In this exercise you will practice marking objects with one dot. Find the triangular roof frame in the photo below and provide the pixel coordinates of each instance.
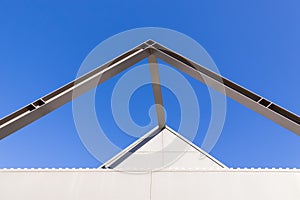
(153, 51)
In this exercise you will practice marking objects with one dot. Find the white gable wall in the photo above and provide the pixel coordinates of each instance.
(168, 150)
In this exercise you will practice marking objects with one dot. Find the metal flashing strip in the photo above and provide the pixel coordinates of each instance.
(116, 160)
(96, 170)
(196, 147)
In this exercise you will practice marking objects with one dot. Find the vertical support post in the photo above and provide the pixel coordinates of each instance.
(153, 65)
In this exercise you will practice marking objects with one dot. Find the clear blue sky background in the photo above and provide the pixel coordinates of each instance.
(254, 43)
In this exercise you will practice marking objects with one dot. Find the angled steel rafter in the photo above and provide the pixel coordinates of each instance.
(249, 99)
(152, 50)
(59, 97)
(153, 64)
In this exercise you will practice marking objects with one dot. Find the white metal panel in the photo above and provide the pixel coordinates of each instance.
(173, 184)
(168, 150)
(142, 161)
(73, 185)
(154, 145)
(188, 160)
(231, 185)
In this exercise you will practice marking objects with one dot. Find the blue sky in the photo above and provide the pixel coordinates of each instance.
(255, 44)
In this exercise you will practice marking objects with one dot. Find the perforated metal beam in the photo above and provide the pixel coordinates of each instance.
(59, 97)
(150, 49)
(249, 99)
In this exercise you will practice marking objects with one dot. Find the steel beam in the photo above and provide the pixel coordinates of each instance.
(249, 99)
(59, 97)
(152, 50)
(153, 65)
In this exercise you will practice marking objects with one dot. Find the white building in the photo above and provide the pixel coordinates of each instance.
(161, 164)
(147, 173)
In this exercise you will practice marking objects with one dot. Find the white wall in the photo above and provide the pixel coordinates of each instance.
(107, 184)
